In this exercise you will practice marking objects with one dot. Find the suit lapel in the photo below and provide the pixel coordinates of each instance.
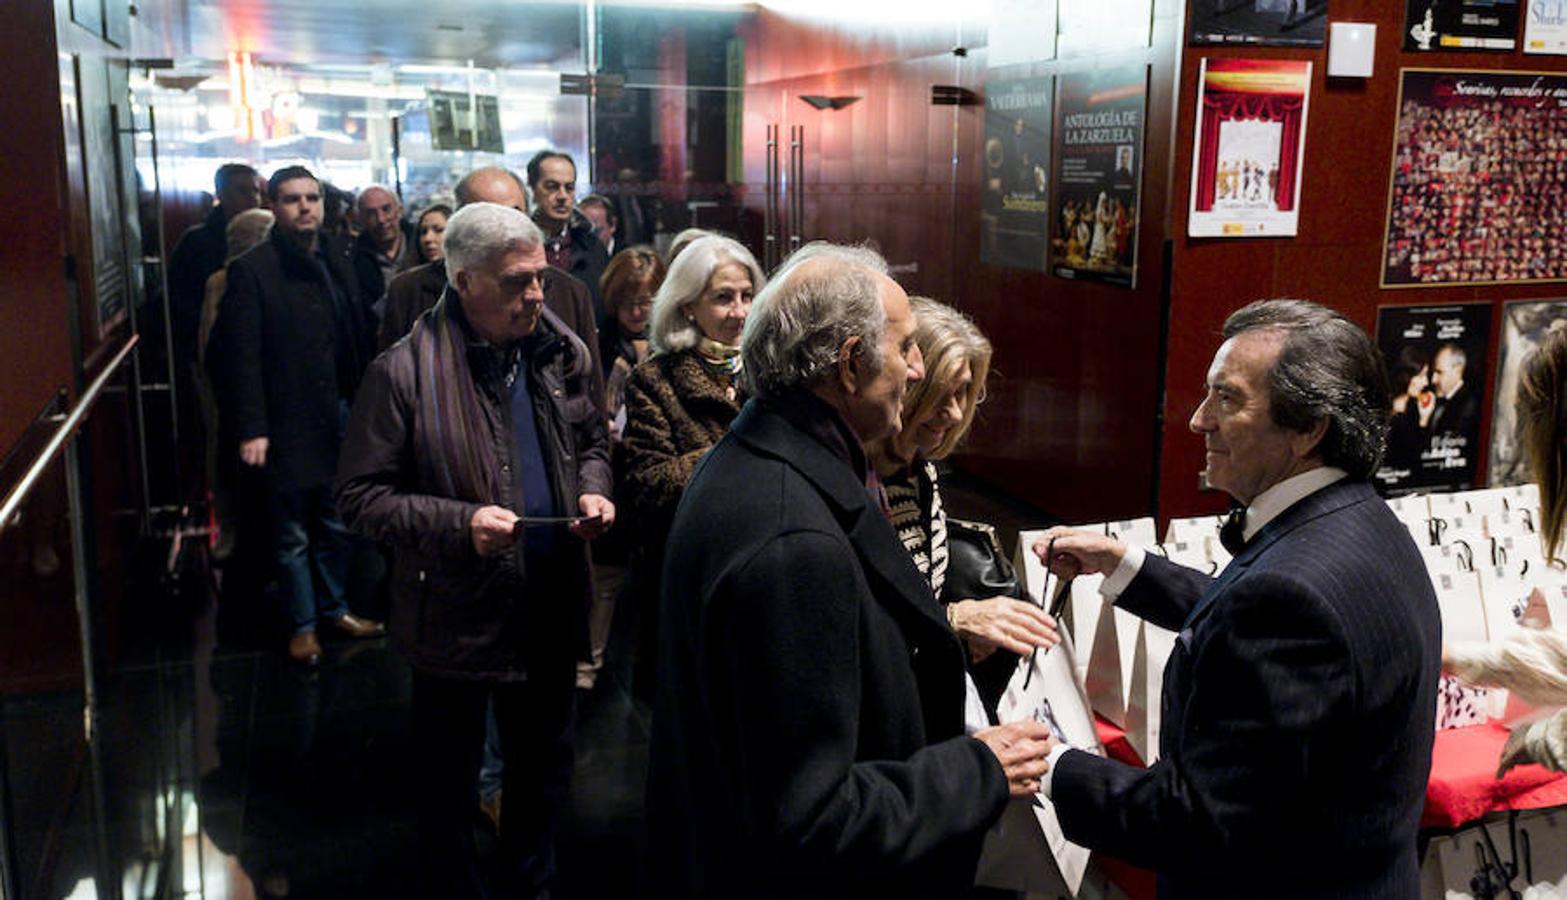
(1332, 498)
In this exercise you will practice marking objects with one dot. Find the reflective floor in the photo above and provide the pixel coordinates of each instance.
(223, 770)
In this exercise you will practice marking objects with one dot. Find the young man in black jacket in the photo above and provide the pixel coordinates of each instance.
(287, 352)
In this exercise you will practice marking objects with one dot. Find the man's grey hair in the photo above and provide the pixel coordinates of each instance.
(1455, 354)
(480, 233)
(799, 324)
(670, 327)
(1327, 369)
(364, 192)
(463, 192)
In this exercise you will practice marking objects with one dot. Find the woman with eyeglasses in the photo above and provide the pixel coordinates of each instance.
(628, 285)
(1532, 662)
(937, 413)
(681, 400)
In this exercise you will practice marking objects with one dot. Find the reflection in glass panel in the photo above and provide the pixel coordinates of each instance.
(667, 148)
(339, 121)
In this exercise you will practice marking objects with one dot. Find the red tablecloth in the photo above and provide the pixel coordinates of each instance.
(1463, 787)
(1463, 784)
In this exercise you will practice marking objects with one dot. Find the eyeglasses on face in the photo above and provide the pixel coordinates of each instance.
(521, 282)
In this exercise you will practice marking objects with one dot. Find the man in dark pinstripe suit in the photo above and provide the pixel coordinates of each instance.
(1299, 703)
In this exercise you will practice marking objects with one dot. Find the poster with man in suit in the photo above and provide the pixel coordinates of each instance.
(1436, 360)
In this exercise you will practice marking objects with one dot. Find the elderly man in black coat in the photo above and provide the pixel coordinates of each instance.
(287, 350)
(476, 451)
(1300, 700)
(808, 735)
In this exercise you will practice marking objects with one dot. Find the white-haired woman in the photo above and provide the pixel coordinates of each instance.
(680, 401)
(937, 413)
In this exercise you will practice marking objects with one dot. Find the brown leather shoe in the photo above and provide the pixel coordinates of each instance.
(355, 627)
(491, 808)
(304, 648)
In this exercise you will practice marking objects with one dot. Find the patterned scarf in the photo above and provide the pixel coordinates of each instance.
(453, 446)
(720, 359)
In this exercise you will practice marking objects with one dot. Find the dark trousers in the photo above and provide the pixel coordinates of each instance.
(535, 721)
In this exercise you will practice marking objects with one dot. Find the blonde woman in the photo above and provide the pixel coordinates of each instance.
(245, 230)
(937, 413)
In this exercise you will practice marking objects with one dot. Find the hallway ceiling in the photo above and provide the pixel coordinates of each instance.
(492, 33)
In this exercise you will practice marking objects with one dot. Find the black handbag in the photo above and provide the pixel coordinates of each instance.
(976, 567)
(978, 570)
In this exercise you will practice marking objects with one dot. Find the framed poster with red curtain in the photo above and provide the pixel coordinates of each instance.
(1250, 140)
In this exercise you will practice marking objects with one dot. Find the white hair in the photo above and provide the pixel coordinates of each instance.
(670, 329)
(799, 324)
(359, 200)
(479, 233)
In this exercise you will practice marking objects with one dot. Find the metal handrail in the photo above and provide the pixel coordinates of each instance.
(63, 434)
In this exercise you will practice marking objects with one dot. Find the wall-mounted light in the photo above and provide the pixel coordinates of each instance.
(819, 102)
(952, 95)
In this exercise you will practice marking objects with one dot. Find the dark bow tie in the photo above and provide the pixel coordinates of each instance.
(1232, 532)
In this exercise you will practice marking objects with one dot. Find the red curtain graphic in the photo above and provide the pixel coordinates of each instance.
(1221, 107)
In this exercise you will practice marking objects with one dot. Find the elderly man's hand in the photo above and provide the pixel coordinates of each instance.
(493, 530)
(598, 514)
(1021, 748)
(254, 451)
(1079, 552)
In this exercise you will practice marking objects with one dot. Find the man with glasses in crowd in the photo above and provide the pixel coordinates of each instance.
(476, 451)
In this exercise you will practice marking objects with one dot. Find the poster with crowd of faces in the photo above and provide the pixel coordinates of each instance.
(1478, 190)
(1285, 23)
(1250, 141)
(1545, 27)
(1436, 363)
(1098, 166)
(1015, 204)
(1525, 323)
(1461, 25)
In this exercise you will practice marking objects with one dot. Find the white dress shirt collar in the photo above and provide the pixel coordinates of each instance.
(1270, 503)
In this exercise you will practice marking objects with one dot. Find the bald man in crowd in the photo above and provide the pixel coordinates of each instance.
(385, 246)
(416, 290)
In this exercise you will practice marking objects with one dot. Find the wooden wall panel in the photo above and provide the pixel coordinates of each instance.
(1071, 421)
(1336, 257)
(35, 318)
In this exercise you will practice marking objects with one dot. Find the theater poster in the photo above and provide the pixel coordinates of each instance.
(1251, 137)
(1015, 212)
(1545, 27)
(1476, 195)
(1525, 323)
(1436, 364)
(1461, 25)
(1284, 23)
(1098, 172)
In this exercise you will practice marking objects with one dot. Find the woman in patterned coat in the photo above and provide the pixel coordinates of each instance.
(680, 400)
